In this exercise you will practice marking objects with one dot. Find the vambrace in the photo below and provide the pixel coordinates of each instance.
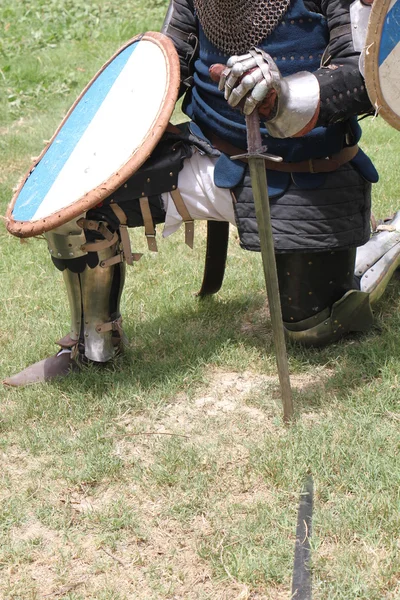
(180, 26)
(343, 92)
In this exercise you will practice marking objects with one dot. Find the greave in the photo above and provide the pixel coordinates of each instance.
(72, 283)
(101, 289)
(94, 279)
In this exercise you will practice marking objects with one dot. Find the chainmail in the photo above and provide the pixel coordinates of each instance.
(235, 26)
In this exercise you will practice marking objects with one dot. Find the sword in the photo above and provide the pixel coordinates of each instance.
(256, 156)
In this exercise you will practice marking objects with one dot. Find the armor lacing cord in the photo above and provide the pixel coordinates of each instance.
(149, 229)
(186, 218)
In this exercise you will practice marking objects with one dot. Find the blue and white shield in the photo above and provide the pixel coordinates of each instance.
(106, 136)
(382, 60)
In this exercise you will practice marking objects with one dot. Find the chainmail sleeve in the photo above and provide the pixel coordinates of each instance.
(180, 25)
(343, 92)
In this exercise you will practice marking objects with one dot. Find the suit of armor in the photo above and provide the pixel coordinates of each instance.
(320, 196)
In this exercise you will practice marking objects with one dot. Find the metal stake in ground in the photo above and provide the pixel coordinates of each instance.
(301, 585)
(258, 176)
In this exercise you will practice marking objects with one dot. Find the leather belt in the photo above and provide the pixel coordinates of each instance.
(313, 165)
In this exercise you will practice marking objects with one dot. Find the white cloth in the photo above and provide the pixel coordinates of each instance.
(203, 199)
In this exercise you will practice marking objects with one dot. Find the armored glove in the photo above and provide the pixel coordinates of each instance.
(290, 105)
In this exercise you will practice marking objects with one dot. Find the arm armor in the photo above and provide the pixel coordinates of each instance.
(180, 26)
(343, 92)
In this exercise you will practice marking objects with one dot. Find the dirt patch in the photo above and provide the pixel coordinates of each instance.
(152, 549)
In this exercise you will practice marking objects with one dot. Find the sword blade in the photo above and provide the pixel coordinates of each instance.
(261, 202)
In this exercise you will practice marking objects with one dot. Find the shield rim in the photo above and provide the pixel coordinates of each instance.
(25, 229)
(372, 79)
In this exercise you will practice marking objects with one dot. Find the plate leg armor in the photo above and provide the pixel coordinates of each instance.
(94, 277)
(101, 289)
(346, 299)
(320, 297)
(379, 258)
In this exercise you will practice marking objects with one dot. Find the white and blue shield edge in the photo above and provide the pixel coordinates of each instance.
(80, 167)
(382, 60)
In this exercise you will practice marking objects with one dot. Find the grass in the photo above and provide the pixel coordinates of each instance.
(170, 474)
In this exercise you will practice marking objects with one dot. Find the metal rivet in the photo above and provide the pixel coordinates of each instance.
(148, 180)
(287, 273)
(126, 185)
(310, 293)
(143, 194)
(310, 262)
(174, 187)
(171, 174)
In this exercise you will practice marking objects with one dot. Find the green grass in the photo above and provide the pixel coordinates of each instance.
(169, 474)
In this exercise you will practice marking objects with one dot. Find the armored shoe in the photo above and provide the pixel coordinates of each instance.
(59, 365)
(70, 358)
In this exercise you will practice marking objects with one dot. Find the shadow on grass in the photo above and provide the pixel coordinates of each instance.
(172, 353)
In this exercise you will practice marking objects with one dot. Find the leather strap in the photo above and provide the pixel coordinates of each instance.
(110, 326)
(315, 165)
(123, 231)
(186, 218)
(149, 229)
(100, 244)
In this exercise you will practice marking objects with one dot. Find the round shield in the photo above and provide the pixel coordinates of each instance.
(382, 60)
(108, 133)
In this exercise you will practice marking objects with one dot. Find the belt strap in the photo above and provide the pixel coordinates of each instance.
(186, 218)
(149, 229)
(314, 165)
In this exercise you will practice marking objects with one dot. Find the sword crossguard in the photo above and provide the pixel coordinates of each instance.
(259, 154)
